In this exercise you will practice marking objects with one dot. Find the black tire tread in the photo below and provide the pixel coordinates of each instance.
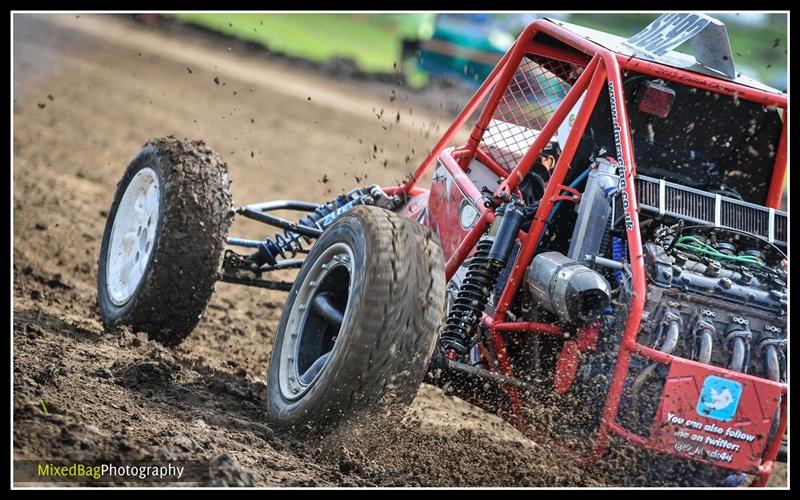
(188, 251)
(402, 306)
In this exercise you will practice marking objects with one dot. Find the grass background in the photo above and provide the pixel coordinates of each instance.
(373, 41)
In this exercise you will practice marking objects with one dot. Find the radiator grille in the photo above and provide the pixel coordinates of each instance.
(670, 199)
(781, 223)
(687, 203)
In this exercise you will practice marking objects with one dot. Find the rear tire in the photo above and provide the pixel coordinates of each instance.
(163, 241)
(390, 316)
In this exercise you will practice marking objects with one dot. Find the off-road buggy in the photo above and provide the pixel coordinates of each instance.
(606, 251)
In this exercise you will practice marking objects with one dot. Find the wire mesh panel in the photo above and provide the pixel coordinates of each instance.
(533, 94)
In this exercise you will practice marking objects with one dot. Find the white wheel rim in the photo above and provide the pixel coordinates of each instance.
(132, 236)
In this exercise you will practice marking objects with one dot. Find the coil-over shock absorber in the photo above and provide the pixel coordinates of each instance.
(490, 257)
(288, 243)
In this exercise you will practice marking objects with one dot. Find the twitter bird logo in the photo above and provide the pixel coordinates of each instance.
(719, 398)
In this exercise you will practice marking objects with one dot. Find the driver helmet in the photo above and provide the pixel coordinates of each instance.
(550, 154)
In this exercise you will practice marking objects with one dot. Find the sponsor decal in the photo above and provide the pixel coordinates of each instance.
(625, 170)
(719, 398)
(668, 32)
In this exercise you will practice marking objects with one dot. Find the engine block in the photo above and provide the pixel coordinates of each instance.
(708, 313)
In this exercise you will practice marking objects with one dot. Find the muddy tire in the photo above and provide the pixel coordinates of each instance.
(163, 241)
(359, 325)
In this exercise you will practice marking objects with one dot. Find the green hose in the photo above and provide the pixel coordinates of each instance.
(693, 244)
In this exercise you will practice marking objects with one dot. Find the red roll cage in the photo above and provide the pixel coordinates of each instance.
(601, 67)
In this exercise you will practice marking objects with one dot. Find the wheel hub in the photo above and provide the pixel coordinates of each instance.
(131, 243)
(315, 322)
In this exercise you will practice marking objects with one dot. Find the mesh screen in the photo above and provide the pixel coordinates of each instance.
(532, 96)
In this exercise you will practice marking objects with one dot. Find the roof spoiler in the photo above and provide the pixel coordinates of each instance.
(707, 37)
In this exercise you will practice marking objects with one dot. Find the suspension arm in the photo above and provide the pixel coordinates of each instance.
(236, 269)
(267, 206)
(276, 252)
(283, 286)
(486, 374)
(303, 230)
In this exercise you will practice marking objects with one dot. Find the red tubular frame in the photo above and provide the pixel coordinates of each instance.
(515, 54)
(529, 327)
(459, 122)
(489, 162)
(602, 67)
(781, 161)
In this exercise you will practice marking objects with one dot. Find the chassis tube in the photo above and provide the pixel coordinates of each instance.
(551, 52)
(515, 55)
(460, 120)
(398, 190)
(779, 170)
(489, 163)
(529, 327)
(588, 77)
(486, 374)
(634, 237)
(699, 81)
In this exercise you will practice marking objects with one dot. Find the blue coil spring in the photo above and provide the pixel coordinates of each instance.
(618, 252)
(287, 244)
(283, 245)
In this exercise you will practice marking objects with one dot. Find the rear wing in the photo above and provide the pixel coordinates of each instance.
(707, 37)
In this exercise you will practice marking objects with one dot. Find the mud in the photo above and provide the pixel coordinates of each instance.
(82, 393)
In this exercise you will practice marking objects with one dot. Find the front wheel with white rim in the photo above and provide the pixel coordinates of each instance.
(359, 325)
(164, 238)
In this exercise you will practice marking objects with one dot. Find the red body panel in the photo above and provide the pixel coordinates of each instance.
(739, 444)
(452, 193)
(416, 208)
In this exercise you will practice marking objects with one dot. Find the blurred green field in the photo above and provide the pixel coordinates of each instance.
(374, 41)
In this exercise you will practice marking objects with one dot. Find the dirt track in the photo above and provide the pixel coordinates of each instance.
(88, 93)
